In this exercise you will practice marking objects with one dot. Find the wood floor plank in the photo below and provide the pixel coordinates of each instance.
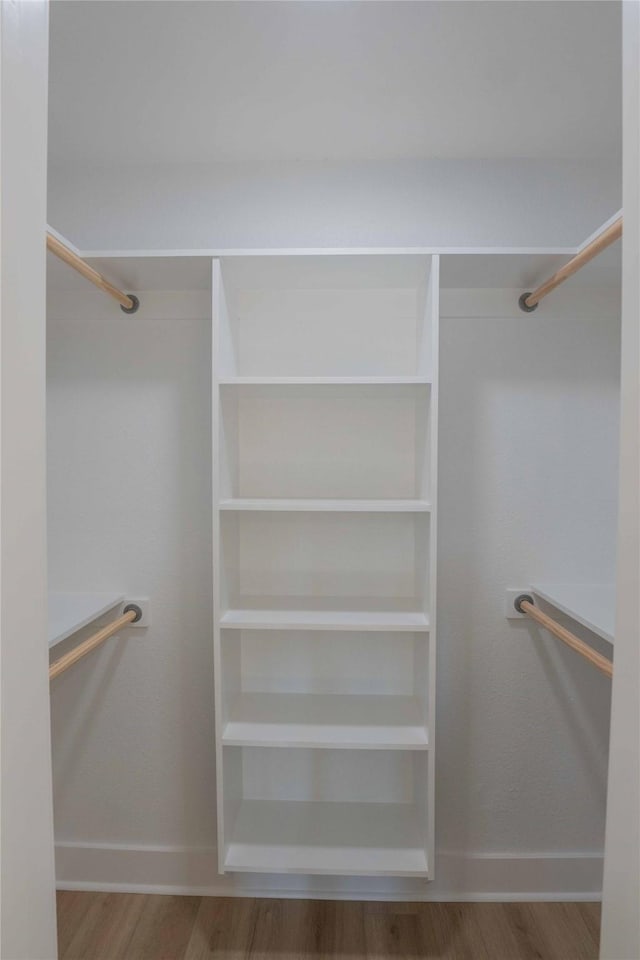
(590, 914)
(316, 929)
(342, 930)
(104, 929)
(495, 931)
(223, 929)
(101, 926)
(71, 909)
(290, 928)
(393, 932)
(553, 931)
(163, 929)
(281, 927)
(451, 931)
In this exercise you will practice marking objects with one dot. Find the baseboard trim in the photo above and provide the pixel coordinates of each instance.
(459, 877)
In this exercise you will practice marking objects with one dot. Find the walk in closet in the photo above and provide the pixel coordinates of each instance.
(339, 500)
(292, 545)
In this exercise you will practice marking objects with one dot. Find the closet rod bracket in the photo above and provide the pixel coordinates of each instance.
(522, 303)
(135, 303)
(133, 607)
(519, 600)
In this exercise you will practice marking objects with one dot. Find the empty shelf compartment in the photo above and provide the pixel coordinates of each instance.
(326, 720)
(366, 839)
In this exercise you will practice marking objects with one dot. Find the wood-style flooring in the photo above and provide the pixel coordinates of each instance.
(117, 926)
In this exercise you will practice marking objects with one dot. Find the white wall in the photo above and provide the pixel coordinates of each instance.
(528, 434)
(620, 920)
(403, 203)
(130, 511)
(27, 881)
(528, 454)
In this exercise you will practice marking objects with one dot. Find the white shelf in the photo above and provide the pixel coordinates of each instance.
(592, 605)
(361, 839)
(347, 381)
(366, 722)
(70, 612)
(518, 270)
(325, 506)
(283, 619)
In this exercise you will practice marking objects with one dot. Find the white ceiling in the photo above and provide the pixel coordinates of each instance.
(140, 81)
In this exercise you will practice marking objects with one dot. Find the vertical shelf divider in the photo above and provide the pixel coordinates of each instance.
(433, 319)
(219, 318)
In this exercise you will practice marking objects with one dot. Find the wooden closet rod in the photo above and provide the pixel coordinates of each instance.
(128, 302)
(524, 604)
(132, 613)
(529, 301)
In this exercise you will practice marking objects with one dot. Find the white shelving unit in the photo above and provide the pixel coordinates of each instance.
(325, 464)
(592, 605)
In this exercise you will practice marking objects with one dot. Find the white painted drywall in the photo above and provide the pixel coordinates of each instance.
(130, 509)
(528, 472)
(27, 882)
(620, 919)
(333, 204)
(212, 82)
(528, 448)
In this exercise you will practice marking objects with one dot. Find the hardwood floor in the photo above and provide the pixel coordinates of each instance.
(117, 926)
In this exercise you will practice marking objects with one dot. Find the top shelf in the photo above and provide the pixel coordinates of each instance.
(592, 605)
(70, 612)
(461, 266)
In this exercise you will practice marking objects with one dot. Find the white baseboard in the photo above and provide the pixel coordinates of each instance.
(193, 871)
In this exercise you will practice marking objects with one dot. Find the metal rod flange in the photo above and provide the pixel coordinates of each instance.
(135, 303)
(522, 303)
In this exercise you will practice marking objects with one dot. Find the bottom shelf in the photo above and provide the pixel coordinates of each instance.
(350, 839)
